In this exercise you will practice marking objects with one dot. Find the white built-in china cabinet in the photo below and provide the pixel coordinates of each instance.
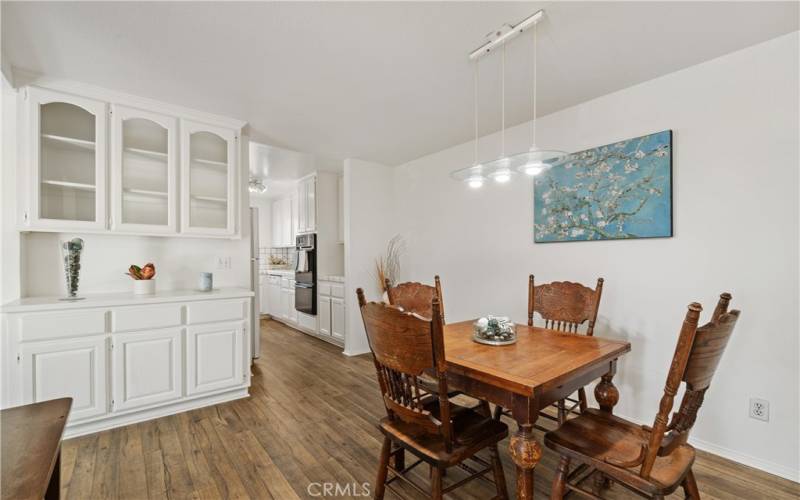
(98, 161)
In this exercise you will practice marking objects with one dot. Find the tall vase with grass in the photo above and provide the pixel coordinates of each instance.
(71, 253)
(387, 267)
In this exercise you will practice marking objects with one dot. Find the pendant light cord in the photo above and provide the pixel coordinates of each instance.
(535, 50)
(503, 104)
(475, 109)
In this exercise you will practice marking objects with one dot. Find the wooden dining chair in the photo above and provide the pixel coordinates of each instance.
(416, 297)
(651, 461)
(431, 427)
(564, 306)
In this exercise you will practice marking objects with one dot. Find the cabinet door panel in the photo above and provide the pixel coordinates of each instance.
(292, 311)
(337, 318)
(214, 357)
(324, 315)
(68, 161)
(147, 368)
(209, 176)
(73, 368)
(311, 205)
(144, 171)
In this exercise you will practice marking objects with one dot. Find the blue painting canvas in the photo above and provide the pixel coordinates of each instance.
(618, 191)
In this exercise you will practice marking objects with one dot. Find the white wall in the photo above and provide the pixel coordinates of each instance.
(368, 227)
(9, 237)
(735, 198)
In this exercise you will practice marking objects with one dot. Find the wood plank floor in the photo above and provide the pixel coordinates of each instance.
(310, 419)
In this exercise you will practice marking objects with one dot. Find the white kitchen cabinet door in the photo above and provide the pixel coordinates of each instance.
(276, 223)
(274, 298)
(311, 204)
(147, 368)
(340, 210)
(73, 368)
(209, 179)
(293, 318)
(214, 357)
(67, 158)
(324, 312)
(302, 209)
(337, 318)
(263, 294)
(294, 221)
(284, 310)
(144, 171)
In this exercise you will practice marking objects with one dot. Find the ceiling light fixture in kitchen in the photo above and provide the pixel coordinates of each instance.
(255, 185)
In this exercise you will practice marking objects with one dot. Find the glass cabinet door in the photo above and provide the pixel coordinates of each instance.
(208, 179)
(144, 171)
(68, 161)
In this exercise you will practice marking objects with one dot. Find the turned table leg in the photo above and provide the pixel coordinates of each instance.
(526, 453)
(606, 392)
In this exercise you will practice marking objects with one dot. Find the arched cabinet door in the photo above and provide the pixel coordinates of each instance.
(67, 158)
(209, 180)
(144, 168)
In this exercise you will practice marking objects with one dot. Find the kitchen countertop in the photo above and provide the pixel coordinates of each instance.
(120, 299)
(278, 272)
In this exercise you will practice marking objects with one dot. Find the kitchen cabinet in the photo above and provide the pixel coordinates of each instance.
(340, 210)
(284, 222)
(214, 357)
(147, 368)
(307, 204)
(125, 358)
(274, 293)
(75, 146)
(331, 307)
(264, 295)
(143, 171)
(67, 162)
(209, 180)
(71, 367)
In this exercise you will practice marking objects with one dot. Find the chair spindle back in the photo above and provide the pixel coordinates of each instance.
(696, 358)
(416, 297)
(564, 305)
(404, 344)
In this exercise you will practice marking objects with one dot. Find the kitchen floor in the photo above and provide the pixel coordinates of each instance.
(310, 419)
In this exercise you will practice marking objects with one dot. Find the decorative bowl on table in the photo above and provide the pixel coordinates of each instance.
(494, 330)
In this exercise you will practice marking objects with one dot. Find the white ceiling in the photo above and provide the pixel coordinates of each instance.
(383, 81)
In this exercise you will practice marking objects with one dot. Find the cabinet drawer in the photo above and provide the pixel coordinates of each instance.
(324, 288)
(217, 310)
(337, 291)
(126, 319)
(52, 325)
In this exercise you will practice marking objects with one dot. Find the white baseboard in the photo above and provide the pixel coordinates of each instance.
(745, 459)
(106, 422)
(737, 456)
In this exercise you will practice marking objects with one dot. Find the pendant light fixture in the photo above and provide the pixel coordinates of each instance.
(531, 162)
(536, 160)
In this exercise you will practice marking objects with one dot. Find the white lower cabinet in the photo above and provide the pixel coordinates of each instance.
(147, 368)
(331, 307)
(337, 319)
(125, 359)
(214, 357)
(73, 368)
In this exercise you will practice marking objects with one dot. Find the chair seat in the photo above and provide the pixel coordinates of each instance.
(600, 439)
(430, 384)
(472, 432)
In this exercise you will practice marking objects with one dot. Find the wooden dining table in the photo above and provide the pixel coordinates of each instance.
(542, 367)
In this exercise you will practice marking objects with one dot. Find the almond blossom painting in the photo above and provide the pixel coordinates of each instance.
(618, 191)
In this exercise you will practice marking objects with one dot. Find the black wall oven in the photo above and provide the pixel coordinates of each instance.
(305, 274)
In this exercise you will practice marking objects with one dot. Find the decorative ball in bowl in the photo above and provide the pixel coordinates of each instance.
(494, 330)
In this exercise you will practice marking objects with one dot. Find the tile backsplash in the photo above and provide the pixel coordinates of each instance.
(288, 255)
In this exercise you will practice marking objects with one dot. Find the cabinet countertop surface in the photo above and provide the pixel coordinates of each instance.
(32, 304)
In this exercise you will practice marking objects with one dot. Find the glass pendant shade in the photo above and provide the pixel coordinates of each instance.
(535, 160)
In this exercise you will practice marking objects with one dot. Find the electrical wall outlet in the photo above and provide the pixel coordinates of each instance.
(759, 409)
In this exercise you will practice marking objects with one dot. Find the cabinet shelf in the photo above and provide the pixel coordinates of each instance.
(210, 163)
(210, 199)
(70, 185)
(70, 141)
(146, 192)
(154, 155)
